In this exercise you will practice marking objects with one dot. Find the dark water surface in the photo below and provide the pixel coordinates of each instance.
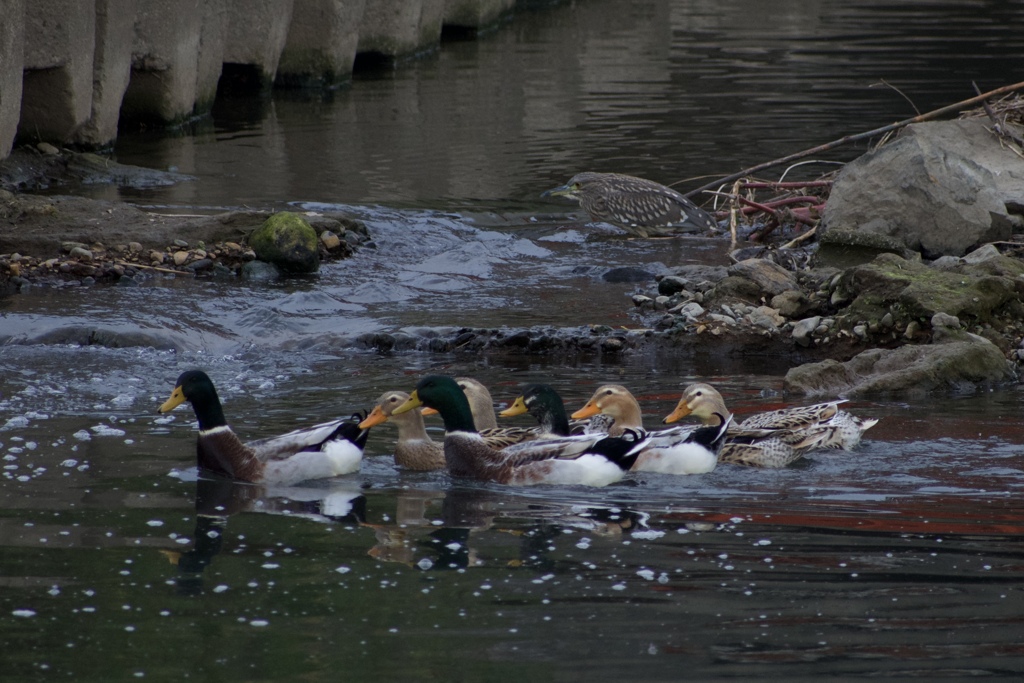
(904, 558)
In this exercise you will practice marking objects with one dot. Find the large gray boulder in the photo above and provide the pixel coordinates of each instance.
(957, 360)
(940, 189)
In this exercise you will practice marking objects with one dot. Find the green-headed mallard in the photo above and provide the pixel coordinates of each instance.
(545, 405)
(482, 406)
(317, 452)
(776, 438)
(594, 460)
(415, 449)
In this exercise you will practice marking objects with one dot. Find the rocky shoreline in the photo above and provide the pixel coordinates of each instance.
(860, 311)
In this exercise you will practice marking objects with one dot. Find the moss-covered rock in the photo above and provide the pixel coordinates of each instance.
(962, 361)
(911, 290)
(287, 241)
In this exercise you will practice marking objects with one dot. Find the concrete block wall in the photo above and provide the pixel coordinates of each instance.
(74, 69)
(322, 42)
(56, 90)
(475, 14)
(12, 55)
(256, 34)
(111, 68)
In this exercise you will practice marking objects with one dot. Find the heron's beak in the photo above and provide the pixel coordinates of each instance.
(561, 191)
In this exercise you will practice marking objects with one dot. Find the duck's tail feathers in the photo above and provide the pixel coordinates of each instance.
(712, 437)
(622, 450)
(350, 431)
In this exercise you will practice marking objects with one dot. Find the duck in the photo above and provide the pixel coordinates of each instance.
(845, 430)
(677, 450)
(546, 406)
(322, 451)
(591, 460)
(415, 449)
(777, 438)
(482, 406)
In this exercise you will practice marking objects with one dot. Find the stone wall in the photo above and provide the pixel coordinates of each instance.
(74, 69)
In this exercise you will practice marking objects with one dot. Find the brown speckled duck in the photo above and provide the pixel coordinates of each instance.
(415, 449)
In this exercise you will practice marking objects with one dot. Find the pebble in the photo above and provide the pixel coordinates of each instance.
(802, 330)
(329, 240)
(860, 331)
(81, 253)
(181, 243)
(135, 247)
(180, 257)
(48, 149)
(157, 257)
(913, 327)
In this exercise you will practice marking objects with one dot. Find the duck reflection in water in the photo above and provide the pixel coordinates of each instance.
(443, 540)
(218, 499)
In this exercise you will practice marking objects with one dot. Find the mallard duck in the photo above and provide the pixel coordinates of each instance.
(482, 406)
(317, 452)
(594, 460)
(480, 403)
(669, 451)
(777, 438)
(415, 449)
(545, 405)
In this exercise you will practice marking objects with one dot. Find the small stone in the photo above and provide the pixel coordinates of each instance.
(721, 318)
(135, 247)
(330, 240)
(200, 253)
(233, 246)
(157, 257)
(180, 257)
(81, 253)
(765, 317)
(181, 244)
(48, 149)
(640, 300)
(68, 246)
(803, 329)
(989, 251)
(860, 331)
(913, 327)
(886, 322)
(612, 344)
(692, 310)
(200, 265)
(671, 284)
(662, 302)
(248, 255)
(941, 319)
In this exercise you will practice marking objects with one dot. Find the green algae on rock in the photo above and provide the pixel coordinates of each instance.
(287, 241)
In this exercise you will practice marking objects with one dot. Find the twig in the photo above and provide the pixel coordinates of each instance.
(733, 219)
(799, 239)
(963, 104)
(129, 264)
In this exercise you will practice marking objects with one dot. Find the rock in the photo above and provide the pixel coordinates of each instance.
(983, 253)
(913, 329)
(946, 262)
(940, 188)
(157, 257)
(803, 329)
(791, 303)
(181, 244)
(180, 258)
(769, 277)
(260, 271)
(766, 317)
(691, 310)
(721, 318)
(960, 364)
(81, 253)
(890, 283)
(671, 284)
(841, 248)
(135, 247)
(47, 149)
(329, 240)
(287, 241)
(640, 300)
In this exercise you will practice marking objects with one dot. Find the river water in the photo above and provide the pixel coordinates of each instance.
(903, 558)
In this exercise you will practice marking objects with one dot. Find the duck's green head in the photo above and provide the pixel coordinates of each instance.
(544, 403)
(444, 395)
(196, 387)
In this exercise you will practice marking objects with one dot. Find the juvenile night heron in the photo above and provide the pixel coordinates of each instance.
(643, 207)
